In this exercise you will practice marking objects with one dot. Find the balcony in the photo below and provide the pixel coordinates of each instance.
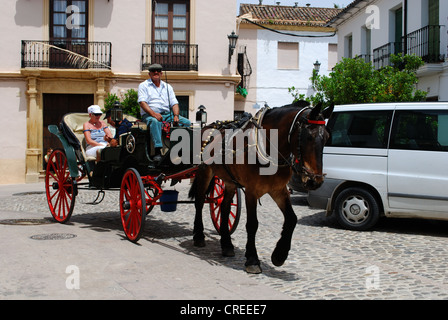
(66, 54)
(424, 43)
(173, 57)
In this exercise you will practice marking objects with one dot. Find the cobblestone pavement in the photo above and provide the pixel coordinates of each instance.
(400, 259)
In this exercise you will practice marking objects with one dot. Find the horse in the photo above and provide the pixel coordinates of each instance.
(302, 134)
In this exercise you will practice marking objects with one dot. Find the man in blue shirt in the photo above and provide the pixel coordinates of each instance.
(158, 103)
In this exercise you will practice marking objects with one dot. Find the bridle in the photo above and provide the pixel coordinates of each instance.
(298, 123)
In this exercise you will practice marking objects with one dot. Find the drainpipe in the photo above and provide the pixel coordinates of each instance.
(405, 13)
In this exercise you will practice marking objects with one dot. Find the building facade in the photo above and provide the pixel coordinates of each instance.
(375, 29)
(61, 56)
(281, 44)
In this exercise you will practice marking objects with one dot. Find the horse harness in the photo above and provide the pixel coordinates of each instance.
(257, 120)
(299, 120)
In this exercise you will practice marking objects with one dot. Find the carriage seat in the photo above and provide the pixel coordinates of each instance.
(75, 121)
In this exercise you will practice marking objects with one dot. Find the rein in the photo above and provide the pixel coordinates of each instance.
(297, 166)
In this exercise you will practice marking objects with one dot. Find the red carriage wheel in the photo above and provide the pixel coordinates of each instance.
(132, 205)
(216, 197)
(60, 187)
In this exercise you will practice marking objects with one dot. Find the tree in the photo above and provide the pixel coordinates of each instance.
(129, 105)
(356, 81)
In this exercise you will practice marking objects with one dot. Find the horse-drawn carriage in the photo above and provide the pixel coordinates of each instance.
(298, 130)
(128, 168)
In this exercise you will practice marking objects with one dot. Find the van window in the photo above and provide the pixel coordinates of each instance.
(361, 129)
(420, 130)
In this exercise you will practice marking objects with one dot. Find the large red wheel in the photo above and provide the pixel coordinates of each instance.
(132, 205)
(216, 197)
(60, 187)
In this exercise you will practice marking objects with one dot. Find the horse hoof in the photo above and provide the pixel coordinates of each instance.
(228, 252)
(277, 262)
(253, 269)
(200, 243)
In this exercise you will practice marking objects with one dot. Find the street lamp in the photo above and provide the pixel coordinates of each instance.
(233, 38)
(201, 115)
(315, 72)
(317, 66)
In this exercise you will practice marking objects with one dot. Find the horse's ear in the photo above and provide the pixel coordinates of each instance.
(315, 112)
(328, 111)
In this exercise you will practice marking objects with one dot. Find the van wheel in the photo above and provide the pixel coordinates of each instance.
(356, 209)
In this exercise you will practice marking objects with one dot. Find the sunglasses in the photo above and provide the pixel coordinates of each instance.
(157, 70)
(97, 114)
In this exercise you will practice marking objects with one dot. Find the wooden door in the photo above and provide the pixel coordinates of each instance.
(55, 106)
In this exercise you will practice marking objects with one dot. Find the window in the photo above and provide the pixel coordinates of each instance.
(288, 55)
(68, 31)
(362, 129)
(398, 31)
(184, 102)
(420, 130)
(171, 21)
(332, 55)
(366, 45)
(68, 20)
(348, 46)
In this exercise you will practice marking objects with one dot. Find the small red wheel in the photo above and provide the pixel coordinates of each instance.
(60, 188)
(132, 205)
(150, 193)
(216, 197)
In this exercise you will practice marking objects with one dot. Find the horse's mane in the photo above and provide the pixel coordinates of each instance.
(281, 111)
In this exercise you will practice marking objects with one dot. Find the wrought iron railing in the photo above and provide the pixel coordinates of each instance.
(66, 54)
(381, 55)
(424, 43)
(173, 57)
(366, 57)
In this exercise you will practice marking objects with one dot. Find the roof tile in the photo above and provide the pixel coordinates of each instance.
(287, 15)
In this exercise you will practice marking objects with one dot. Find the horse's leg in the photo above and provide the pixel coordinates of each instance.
(226, 242)
(252, 262)
(281, 197)
(199, 190)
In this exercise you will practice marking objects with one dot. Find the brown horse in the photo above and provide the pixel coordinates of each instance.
(301, 136)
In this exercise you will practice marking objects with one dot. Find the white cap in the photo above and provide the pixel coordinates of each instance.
(94, 109)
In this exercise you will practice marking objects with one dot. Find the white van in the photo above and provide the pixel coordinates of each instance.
(385, 159)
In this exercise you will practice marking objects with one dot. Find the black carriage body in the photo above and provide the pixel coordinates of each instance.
(132, 152)
(129, 168)
(135, 150)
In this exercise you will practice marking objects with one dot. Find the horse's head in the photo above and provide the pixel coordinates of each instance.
(308, 144)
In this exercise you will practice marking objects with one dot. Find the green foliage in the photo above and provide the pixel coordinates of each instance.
(356, 81)
(129, 104)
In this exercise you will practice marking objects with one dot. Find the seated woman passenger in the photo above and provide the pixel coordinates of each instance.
(96, 132)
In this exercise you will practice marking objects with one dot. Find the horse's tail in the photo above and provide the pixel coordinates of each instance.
(194, 188)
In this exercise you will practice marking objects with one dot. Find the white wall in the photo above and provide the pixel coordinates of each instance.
(13, 137)
(123, 24)
(21, 20)
(273, 83)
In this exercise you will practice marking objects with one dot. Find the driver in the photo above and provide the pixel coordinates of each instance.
(157, 99)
